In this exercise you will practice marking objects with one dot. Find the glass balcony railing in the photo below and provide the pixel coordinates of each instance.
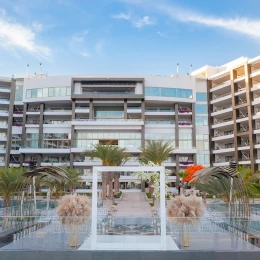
(160, 122)
(159, 110)
(110, 119)
(58, 110)
(4, 99)
(109, 93)
(88, 144)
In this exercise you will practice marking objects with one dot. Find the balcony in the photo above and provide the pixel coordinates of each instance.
(223, 137)
(186, 163)
(185, 111)
(221, 99)
(4, 112)
(84, 110)
(18, 114)
(227, 110)
(134, 110)
(101, 122)
(222, 123)
(5, 101)
(59, 112)
(3, 125)
(221, 85)
(185, 124)
(224, 149)
(5, 89)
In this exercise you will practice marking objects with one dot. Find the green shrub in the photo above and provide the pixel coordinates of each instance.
(151, 204)
(149, 195)
(118, 195)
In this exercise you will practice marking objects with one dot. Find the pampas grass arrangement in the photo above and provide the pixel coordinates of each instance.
(185, 211)
(74, 211)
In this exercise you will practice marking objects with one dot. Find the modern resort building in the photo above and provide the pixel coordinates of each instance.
(211, 117)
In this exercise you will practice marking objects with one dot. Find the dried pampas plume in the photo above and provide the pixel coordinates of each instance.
(185, 210)
(74, 209)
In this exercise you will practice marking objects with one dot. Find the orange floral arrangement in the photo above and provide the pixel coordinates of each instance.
(191, 170)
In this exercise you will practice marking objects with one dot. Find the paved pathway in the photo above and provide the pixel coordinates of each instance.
(133, 204)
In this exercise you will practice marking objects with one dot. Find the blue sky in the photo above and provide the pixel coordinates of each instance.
(125, 36)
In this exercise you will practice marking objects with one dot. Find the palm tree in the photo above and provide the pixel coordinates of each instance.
(251, 181)
(73, 179)
(110, 155)
(156, 152)
(11, 181)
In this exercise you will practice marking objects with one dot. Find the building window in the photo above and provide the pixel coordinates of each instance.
(168, 92)
(201, 109)
(185, 140)
(28, 93)
(201, 120)
(201, 97)
(19, 93)
(51, 92)
(202, 158)
(202, 142)
(47, 92)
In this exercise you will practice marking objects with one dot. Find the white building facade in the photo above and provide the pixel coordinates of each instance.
(52, 120)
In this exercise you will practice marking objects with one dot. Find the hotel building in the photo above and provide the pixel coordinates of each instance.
(52, 120)
(234, 112)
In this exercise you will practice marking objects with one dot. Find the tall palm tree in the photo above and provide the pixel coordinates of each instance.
(11, 181)
(156, 152)
(110, 155)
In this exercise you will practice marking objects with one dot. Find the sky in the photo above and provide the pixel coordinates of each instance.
(125, 36)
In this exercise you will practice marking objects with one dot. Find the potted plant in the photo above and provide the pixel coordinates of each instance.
(185, 211)
(74, 211)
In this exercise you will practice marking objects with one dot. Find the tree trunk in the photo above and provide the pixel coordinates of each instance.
(104, 185)
(116, 182)
(111, 177)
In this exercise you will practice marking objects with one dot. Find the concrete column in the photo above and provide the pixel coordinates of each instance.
(10, 123)
(73, 136)
(176, 125)
(73, 115)
(25, 108)
(125, 109)
(251, 122)
(210, 123)
(91, 109)
(40, 141)
(193, 126)
(143, 110)
(21, 159)
(71, 160)
(177, 170)
(39, 159)
(235, 129)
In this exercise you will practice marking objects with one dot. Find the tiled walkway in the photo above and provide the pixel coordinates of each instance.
(133, 204)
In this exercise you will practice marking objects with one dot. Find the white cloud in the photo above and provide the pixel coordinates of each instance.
(242, 25)
(37, 26)
(161, 34)
(85, 54)
(146, 20)
(121, 15)
(99, 48)
(15, 36)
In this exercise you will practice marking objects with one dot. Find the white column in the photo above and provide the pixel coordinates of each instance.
(162, 208)
(94, 209)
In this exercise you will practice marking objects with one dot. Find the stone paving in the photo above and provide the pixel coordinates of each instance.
(133, 204)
